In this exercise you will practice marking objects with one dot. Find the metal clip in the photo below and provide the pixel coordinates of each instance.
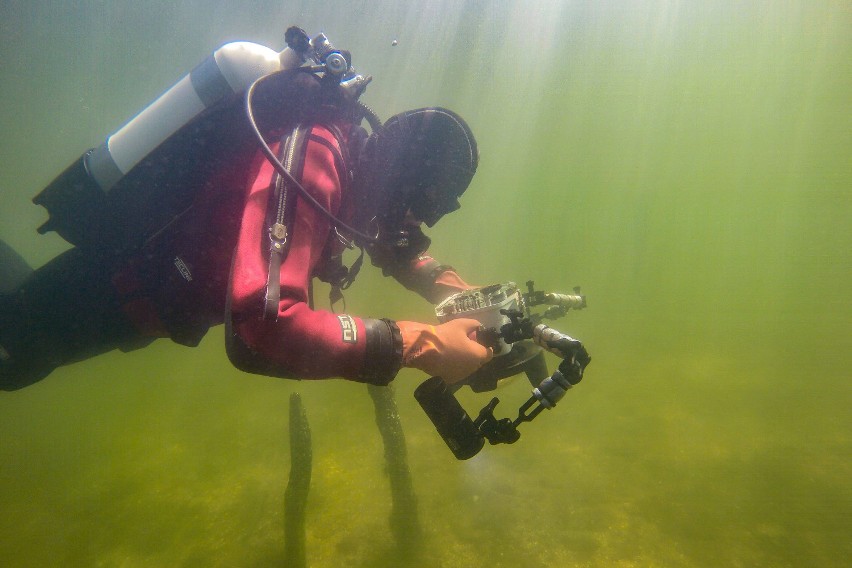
(348, 243)
(278, 232)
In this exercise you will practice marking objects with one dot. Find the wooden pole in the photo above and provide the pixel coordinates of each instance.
(404, 521)
(296, 495)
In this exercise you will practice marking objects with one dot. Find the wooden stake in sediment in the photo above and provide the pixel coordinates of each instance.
(404, 521)
(296, 495)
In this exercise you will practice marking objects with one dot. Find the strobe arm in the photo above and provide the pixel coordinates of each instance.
(551, 390)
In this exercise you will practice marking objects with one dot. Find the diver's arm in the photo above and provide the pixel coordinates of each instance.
(301, 342)
(432, 280)
(305, 343)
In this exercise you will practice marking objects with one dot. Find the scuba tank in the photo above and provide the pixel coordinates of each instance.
(145, 174)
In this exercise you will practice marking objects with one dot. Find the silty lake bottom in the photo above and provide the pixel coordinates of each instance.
(687, 165)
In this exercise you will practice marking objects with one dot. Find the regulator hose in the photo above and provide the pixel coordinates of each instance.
(279, 167)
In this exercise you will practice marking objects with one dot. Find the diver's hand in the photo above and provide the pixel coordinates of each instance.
(446, 350)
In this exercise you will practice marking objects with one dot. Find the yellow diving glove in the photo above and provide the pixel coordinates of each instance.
(447, 350)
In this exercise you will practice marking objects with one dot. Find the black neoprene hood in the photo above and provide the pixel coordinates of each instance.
(422, 160)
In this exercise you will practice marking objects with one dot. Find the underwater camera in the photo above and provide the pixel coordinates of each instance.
(519, 341)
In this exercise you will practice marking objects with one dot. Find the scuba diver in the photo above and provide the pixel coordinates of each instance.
(203, 228)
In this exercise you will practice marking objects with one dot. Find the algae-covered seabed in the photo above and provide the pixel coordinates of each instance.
(687, 163)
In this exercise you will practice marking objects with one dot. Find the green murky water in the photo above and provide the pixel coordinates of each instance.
(687, 163)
